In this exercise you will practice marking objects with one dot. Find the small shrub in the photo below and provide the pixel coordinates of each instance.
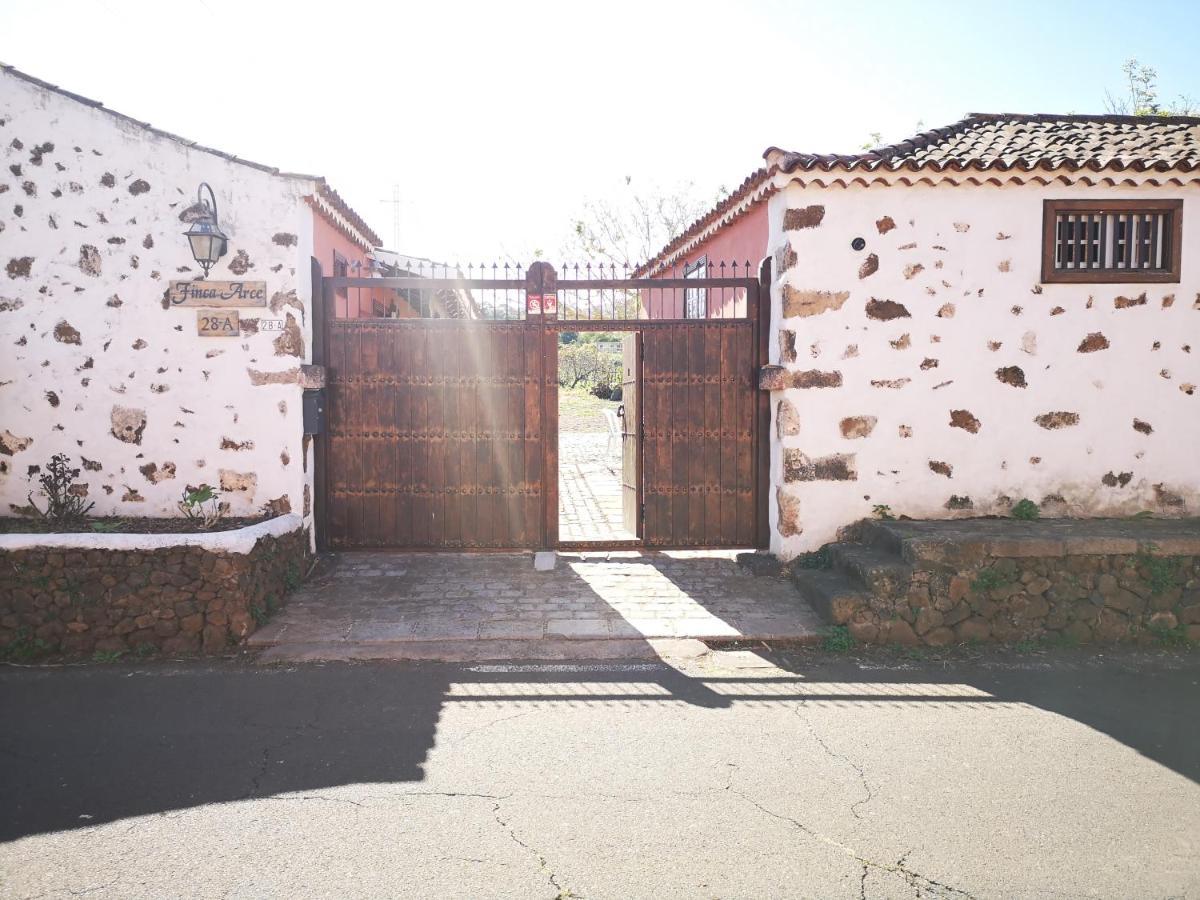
(988, 580)
(838, 639)
(203, 504)
(883, 512)
(603, 390)
(259, 614)
(291, 577)
(1026, 510)
(616, 392)
(62, 506)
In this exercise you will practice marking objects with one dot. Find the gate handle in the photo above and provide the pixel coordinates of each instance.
(621, 411)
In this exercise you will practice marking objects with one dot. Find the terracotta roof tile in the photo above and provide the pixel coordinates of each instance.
(997, 141)
(739, 201)
(1019, 141)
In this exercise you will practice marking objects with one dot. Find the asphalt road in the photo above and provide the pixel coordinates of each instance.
(1022, 776)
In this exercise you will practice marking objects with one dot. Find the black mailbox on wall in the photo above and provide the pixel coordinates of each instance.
(314, 412)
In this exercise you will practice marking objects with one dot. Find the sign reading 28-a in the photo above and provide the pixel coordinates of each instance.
(217, 323)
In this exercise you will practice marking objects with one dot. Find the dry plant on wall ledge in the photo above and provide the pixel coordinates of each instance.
(63, 505)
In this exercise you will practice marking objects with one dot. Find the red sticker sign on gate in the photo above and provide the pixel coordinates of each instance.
(541, 290)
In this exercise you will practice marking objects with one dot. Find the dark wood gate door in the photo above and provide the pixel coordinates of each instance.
(437, 433)
(631, 449)
(443, 432)
(699, 424)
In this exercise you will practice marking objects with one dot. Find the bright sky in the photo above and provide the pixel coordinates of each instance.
(498, 119)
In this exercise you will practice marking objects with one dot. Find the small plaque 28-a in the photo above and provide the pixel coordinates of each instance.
(217, 323)
(217, 293)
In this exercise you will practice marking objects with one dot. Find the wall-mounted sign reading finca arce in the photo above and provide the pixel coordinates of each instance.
(208, 242)
(217, 293)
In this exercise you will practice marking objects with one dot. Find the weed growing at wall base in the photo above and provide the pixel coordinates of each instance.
(988, 580)
(838, 639)
(24, 646)
(1160, 570)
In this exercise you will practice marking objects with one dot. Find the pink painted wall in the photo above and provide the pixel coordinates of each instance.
(744, 240)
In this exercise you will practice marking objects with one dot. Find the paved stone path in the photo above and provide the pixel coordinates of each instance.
(366, 599)
(589, 489)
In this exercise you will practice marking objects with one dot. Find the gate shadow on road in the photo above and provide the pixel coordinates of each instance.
(85, 746)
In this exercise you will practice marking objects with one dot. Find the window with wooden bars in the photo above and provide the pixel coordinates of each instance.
(1111, 240)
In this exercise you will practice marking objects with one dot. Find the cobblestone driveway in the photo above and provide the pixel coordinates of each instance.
(589, 488)
(366, 597)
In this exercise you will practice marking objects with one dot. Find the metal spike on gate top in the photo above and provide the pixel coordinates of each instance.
(722, 268)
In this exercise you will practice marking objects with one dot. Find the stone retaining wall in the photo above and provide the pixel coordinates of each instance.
(1073, 592)
(175, 599)
(1080, 599)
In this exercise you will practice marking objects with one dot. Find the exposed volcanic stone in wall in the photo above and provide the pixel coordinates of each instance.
(962, 418)
(787, 346)
(805, 217)
(177, 600)
(811, 303)
(813, 378)
(785, 258)
(798, 466)
(789, 513)
(884, 310)
(858, 426)
(1055, 420)
(787, 419)
(1012, 375)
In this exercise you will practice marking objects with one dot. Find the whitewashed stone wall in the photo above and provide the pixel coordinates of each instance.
(92, 215)
(932, 373)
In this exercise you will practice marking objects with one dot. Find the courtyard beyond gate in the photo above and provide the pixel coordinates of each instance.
(442, 426)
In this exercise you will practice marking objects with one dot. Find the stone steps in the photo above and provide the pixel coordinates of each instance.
(881, 571)
(874, 567)
(834, 596)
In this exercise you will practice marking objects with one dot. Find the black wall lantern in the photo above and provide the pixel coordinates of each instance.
(208, 242)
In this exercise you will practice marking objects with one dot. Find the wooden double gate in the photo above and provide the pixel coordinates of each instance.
(442, 432)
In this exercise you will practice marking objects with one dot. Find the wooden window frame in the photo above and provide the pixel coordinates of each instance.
(699, 270)
(341, 269)
(1052, 209)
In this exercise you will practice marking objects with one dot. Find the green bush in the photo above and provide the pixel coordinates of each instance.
(1026, 510)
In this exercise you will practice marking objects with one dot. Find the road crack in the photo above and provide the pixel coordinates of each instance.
(862, 778)
(561, 892)
(916, 880)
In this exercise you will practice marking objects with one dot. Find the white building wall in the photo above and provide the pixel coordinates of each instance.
(90, 236)
(964, 262)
